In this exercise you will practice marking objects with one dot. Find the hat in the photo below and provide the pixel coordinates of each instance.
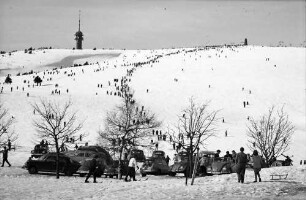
(218, 151)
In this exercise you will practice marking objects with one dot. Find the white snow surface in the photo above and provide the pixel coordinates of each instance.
(17, 183)
(279, 82)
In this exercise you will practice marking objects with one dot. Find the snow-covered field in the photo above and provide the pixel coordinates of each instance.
(17, 183)
(215, 75)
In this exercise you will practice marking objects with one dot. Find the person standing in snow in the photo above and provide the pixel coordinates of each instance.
(4, 156)
(92, 169)
(234, 155)
(167, 160)
(131, 168)
(9, 144)
(203, 162)
(241, 161)
(156, 146)
(227, 156)
(217, 155)
(257, 164)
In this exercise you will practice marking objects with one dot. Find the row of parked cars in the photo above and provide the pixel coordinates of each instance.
(78, 162)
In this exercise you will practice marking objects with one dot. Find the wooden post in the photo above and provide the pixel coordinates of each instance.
(195, 167)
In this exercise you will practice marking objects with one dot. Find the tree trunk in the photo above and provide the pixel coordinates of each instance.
(57, 158)
(195, 167)
(120, 163)
(190, 158)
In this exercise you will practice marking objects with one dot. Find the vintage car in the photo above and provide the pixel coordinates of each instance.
(278, 163)
(208, 157)
(180, 164)
(158, 154)
(113, 170)
(84, 155)
(223, 166)
(47, 163)
(138, 154)
(154, 165)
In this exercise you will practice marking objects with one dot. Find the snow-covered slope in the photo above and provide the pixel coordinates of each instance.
(224, 76)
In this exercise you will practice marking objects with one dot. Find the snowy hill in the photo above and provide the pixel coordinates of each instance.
(224, 76)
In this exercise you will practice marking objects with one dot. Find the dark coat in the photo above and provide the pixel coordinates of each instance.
(93, 165)
(5, 154)
(241, 158)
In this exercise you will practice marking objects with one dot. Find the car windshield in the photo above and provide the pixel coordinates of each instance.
(149, 162)
(159, 153)
(181, 157)
(43, 157)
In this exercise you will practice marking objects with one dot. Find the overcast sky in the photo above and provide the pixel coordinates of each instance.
(145, 24)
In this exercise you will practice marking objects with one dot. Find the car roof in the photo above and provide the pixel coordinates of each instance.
(207, 152)
(158, 152)
(136, 150)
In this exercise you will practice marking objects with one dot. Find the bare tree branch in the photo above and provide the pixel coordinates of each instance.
(6, 129)
(55, 123)
(195, 125)
(271, 134)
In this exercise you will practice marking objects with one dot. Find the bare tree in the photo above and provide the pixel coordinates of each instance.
(6, 131)
(127, 125)
(55, 122)
(195, 125)
(271, 134)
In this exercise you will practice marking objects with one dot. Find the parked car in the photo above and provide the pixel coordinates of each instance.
(39, 150)
(158, 154)
(47, 163)
(221, 166)
(84, 155)
(97, 149)
(286, 162)
(209, 159)
(180, 164)
(154, 165)
(138, 154)
(113, 170)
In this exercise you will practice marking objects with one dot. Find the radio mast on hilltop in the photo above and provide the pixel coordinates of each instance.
(79, 35)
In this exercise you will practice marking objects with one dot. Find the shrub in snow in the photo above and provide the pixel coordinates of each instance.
(37, 80)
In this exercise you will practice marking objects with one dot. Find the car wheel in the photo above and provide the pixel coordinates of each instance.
(68, 173)
(143, 175)
(159, 172)
(32, 170)
(111, 176)
(172, 173)
(82, 174)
